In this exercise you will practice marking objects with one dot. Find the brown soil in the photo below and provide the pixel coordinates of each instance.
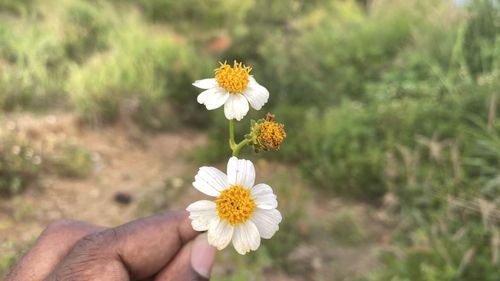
(122, 163)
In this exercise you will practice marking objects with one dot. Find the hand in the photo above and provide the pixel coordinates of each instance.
(162, 247)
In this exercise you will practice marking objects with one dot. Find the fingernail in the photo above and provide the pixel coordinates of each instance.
(202, 256)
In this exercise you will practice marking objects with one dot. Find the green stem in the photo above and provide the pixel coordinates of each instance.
(232, 144)
(235, 148)
(239, 146)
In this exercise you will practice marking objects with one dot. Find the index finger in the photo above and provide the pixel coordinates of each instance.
(142, 247)
(147, 245)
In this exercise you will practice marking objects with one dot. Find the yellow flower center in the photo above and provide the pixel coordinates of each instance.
(272, 133)
(235, 204)
(268, 134)
(234, 79)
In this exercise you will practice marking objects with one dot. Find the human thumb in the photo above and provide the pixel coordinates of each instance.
(194, 262)
(202, 256)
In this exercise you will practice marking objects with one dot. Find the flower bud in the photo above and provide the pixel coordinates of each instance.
(266, 134)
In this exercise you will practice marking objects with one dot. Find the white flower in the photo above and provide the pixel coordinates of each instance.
(242, 213)
(234, 88)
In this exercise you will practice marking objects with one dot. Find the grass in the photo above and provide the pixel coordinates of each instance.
(11, 253)
(72, 161)
(347, 229)
(19, 165)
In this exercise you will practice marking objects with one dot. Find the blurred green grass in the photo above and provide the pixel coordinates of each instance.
(378, 97)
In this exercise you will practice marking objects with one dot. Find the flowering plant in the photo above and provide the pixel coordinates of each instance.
(241, 212)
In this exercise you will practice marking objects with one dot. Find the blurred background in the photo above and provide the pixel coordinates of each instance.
(391, 168)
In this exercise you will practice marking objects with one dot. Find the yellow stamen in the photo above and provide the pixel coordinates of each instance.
(271, 134)
(235, 205)
(234, 79)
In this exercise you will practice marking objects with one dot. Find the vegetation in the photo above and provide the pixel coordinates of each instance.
(392, 98)
(18, 165)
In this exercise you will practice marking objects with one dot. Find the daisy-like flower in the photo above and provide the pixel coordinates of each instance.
(233, 87)
(241, 213)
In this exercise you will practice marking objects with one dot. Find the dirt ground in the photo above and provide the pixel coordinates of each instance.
(141, 165)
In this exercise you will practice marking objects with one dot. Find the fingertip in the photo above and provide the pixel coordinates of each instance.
(186, 231)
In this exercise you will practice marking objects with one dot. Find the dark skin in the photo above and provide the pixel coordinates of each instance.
(155, 248)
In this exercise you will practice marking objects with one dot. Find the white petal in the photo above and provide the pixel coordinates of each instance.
(266, 221)
(240, 172)
(213, 98)
(256, 94)
(206, 83)
(202, 213)
(220, 233)
(246, 237)
(264, 196)
(236, 107)
(203, 96)
(210, 181)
